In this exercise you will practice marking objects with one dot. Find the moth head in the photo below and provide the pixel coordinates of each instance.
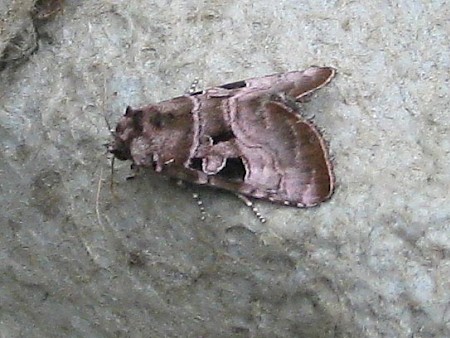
(119, 149)
(127, 129)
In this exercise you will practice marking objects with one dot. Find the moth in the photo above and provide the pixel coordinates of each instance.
(248, 137)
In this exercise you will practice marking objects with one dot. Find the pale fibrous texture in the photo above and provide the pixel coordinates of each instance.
(82, 259)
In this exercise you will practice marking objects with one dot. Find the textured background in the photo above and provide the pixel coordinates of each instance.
(79, 260)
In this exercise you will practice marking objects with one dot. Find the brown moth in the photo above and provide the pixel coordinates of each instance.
(248, 137)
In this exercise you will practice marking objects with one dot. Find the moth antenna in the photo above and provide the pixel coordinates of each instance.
(104, 97)
(113, 158)
(112, 175)
(97, 199)
(111, 131)
(108, 125)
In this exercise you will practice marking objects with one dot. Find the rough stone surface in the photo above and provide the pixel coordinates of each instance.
(80, 259)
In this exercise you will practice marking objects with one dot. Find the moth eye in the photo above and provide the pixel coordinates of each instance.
(119, 129)
(119, 150)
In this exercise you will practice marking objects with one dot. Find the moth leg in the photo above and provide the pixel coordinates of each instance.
(135, 171)
(215, 157)
(255, 210)
(193, 88)
(197, 198)
(199, 201)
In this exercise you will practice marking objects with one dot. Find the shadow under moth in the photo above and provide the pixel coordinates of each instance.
(248, 137)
